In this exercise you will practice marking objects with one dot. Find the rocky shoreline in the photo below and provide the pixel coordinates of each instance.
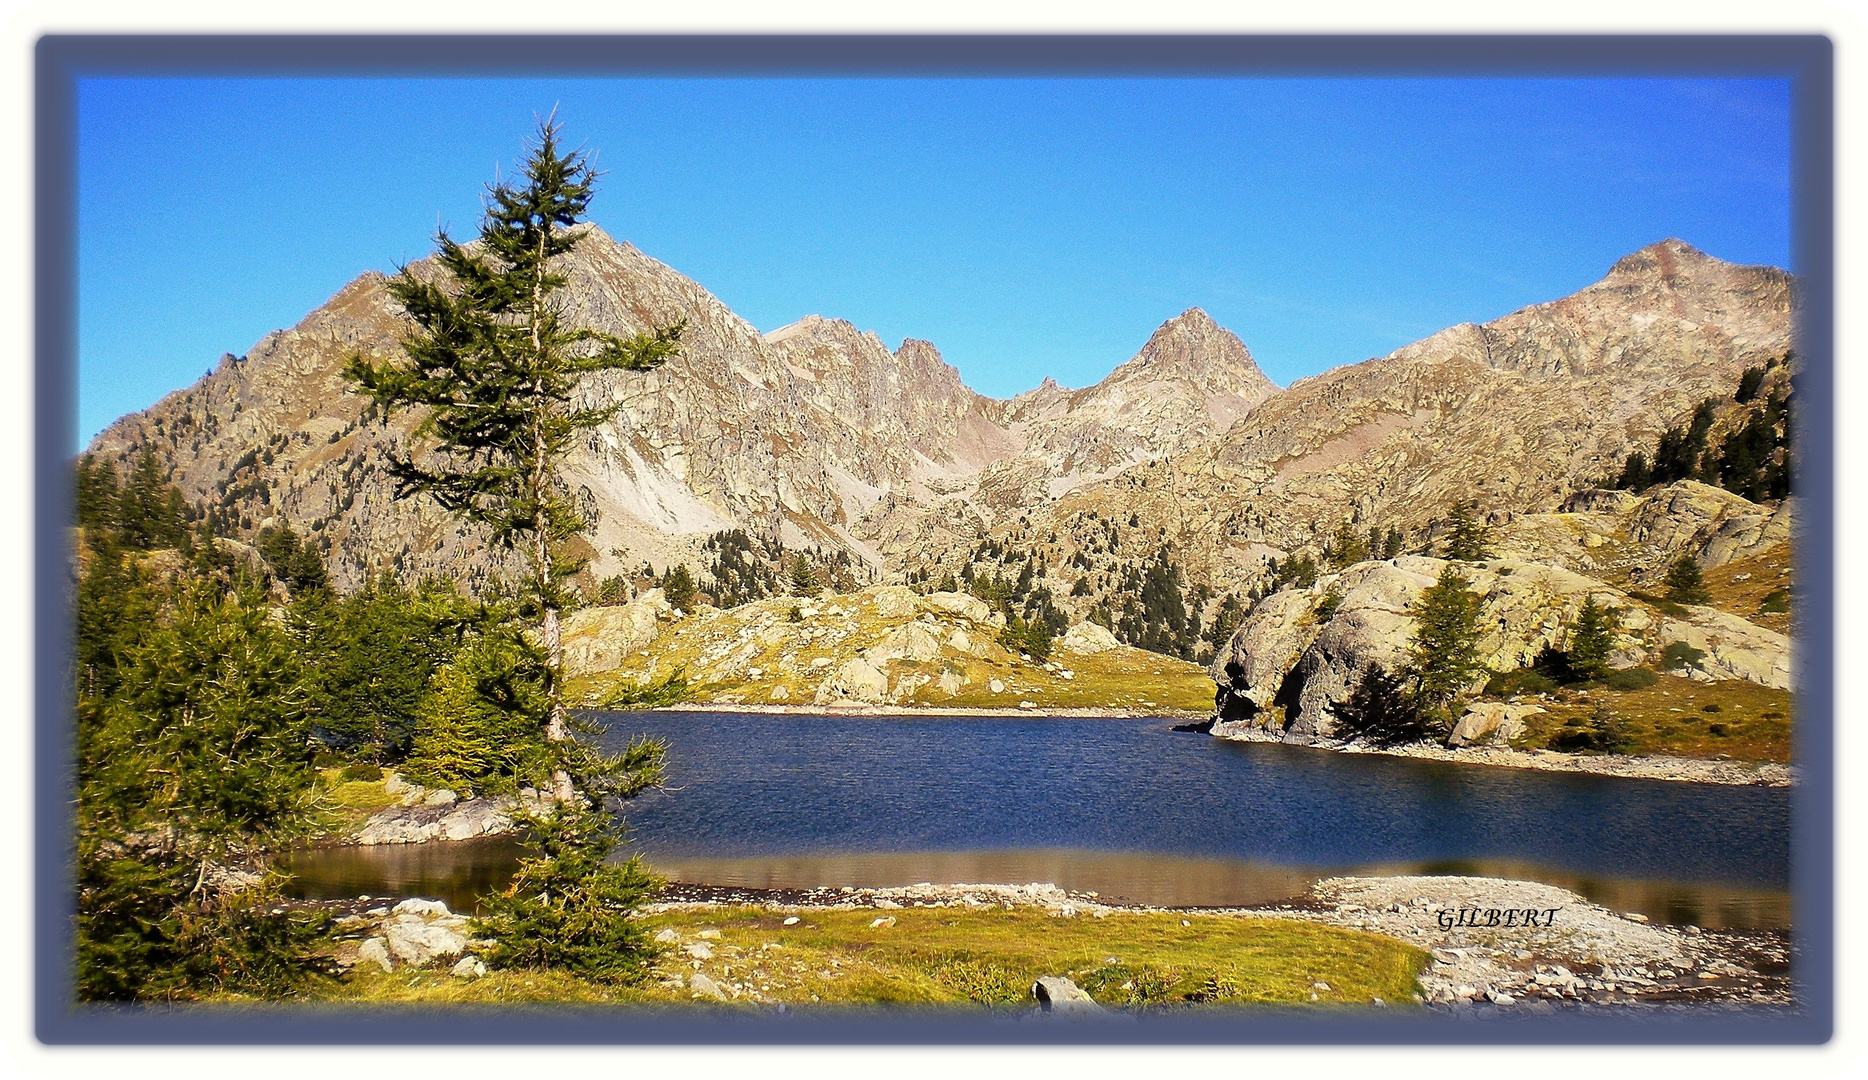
(1573, 954)
(1499, 947)
(1687, 770)
(1023, 709)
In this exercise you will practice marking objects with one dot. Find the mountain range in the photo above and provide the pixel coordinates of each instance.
(817, 435)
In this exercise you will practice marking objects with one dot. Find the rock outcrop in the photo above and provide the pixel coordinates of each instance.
(415, 933)
(1288, 666)
(885, 645)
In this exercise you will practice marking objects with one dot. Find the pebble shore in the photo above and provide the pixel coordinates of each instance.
(1578, 955)
(1686, 770)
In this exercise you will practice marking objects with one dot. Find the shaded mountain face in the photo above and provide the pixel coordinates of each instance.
(796, 434)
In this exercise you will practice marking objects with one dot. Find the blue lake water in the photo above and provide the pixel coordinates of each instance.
(1132, 809)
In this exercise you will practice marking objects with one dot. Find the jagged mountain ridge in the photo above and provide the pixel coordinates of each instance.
(1516, 413)
(794, 434)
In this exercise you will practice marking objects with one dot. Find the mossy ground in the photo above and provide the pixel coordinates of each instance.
(964, 957)
(343, 805)
(1676, 716)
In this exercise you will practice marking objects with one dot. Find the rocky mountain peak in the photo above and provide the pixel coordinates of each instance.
(1191, 347)
(1664, 261)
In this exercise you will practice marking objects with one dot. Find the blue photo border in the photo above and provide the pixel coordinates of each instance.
(61, 60)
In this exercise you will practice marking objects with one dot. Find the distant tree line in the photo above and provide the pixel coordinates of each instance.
(1754, 460)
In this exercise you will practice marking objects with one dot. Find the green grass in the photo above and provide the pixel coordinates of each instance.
(944, 956)
(344, 804)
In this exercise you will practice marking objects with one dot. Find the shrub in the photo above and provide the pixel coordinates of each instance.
(1600, 733)
(1521, 681)
(987, 984)
(1327, 607)
(1633, 678)
(1664, 605)
(672, 690)
(568, 909)
(1776, 602)
(1136, 987)
(361, 770)
(1679, 655)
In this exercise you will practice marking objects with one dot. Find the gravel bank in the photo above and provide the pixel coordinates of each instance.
(1689, 770)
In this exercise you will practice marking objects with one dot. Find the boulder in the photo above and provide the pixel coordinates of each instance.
(910, 641)
(468, 967)
(376, 951)
(1059, 996)
(967, 607)
(854, 680)
(1088, 638)
(1734, 648)
(602, 638)
(1494, 719)
(896, 601)
(416, 942)
(449, 821)
(703, 987)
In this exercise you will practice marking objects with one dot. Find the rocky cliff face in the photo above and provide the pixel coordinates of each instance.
(1517, 414)
(795, 434)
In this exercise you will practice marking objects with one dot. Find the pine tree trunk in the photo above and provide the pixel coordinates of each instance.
(553, 638)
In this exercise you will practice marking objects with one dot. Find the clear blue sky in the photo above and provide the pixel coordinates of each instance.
(1027, 228)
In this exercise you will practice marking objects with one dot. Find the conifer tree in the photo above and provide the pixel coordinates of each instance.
(803, 578)
(1685, 584)
(1468, 539)
(495, 370)
(1446, 641)
(678, 587)
(1592, 640)
(1347, 547)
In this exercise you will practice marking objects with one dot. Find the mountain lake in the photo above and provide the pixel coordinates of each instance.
(1131, 810)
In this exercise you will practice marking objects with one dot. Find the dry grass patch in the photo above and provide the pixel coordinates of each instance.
(1676, 716)
(1756, 589)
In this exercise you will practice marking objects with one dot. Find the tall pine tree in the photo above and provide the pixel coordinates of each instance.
(495, 370)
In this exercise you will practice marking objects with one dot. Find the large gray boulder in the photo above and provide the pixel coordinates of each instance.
(1059, 996)
(854, 680)
(1087, 638)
